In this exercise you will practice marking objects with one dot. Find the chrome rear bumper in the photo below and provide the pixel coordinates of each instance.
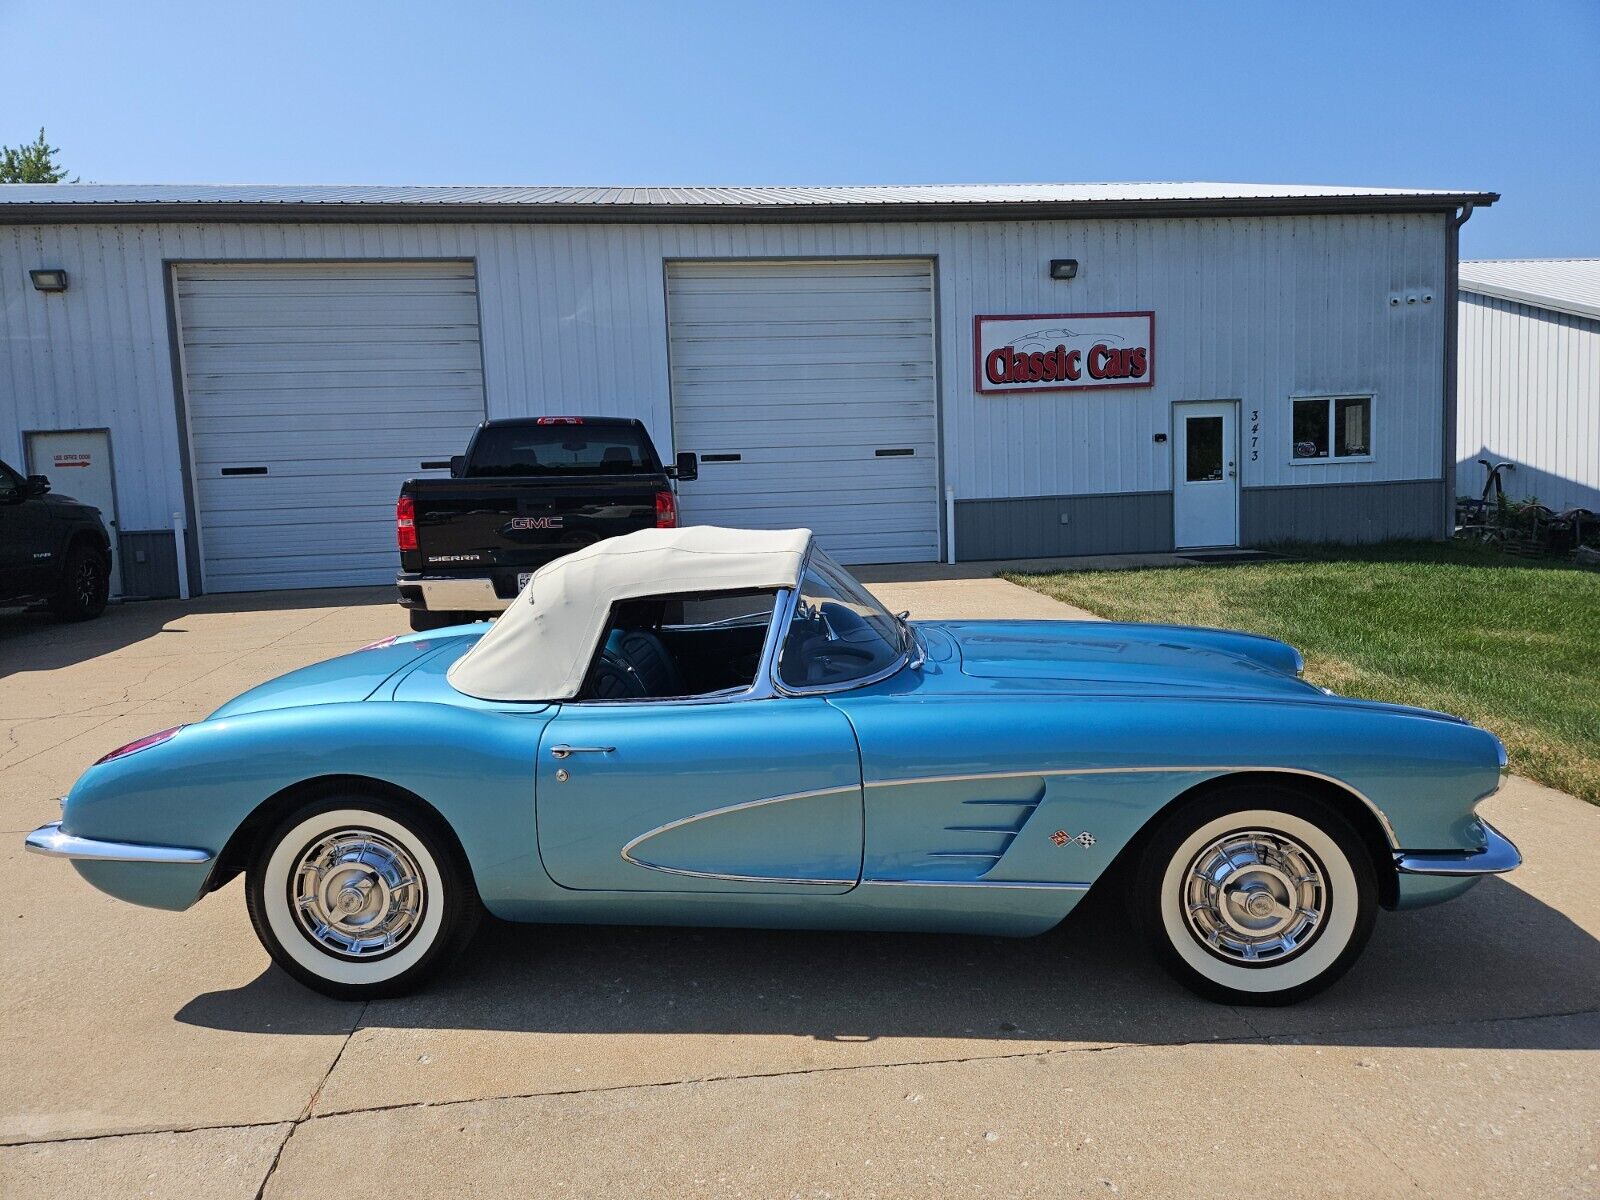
(1497, 857)
(455, 593)
(49, 840)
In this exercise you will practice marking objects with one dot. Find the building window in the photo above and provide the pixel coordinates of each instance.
(1329, 428)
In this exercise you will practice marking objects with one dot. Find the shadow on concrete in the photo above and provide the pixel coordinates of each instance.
(1440, 977)
(35, 639)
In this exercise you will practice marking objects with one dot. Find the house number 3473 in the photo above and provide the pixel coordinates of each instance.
(1255, 434)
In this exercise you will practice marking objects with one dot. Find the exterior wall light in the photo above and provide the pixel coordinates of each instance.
(1063, 268)
(49, 279)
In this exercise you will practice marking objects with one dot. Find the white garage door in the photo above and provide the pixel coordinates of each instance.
(313, 390)
(807, 390)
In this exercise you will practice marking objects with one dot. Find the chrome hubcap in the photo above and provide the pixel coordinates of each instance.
(1255, 897)
(357, 893)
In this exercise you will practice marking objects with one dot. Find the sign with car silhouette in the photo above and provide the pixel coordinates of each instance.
(1056, 352)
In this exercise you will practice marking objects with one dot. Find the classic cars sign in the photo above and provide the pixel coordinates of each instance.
(1057, 352)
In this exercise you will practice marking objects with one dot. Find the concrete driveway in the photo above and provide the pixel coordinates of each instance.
(148, 1053)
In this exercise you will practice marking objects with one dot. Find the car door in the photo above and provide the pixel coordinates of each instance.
(741, 795)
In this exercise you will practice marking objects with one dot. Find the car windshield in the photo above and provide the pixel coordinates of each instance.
(839, 632)
(562, 449)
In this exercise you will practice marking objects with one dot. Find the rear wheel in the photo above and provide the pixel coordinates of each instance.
(1256, 894)
(85, 584)
(358, 897)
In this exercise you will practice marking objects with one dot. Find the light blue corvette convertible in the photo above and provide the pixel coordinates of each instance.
(721, 727)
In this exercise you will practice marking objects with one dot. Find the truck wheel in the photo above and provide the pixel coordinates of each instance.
(85, 584)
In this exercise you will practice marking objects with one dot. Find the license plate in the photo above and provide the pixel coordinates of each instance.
(522, 580)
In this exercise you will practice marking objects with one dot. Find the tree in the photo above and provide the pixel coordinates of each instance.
(34, 163)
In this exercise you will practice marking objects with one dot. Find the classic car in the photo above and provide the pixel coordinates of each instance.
(710, 726)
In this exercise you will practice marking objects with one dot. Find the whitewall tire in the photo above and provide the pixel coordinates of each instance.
(358, 897)
(1256, 894)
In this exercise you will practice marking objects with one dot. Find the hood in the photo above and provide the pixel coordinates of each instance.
(350, 677)
(1096, 656)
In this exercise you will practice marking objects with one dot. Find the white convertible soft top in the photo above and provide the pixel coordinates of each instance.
(541, 647)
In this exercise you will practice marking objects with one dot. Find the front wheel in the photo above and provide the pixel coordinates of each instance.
(1256, 895)
(358, 897)
(85, 584)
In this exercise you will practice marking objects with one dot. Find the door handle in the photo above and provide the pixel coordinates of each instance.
(565, 751)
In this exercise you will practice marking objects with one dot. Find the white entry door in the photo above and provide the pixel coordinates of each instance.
(78, 464)
(1205, 467)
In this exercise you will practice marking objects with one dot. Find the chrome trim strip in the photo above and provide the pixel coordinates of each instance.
(49, 840)
(1220, 769)
(976, 883)
(1497, 857)
(628, 855)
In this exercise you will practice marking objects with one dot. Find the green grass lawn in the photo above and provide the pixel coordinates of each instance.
(1511, 644)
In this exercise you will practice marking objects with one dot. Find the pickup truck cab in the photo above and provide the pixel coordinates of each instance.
(528, 490)
(51, 548)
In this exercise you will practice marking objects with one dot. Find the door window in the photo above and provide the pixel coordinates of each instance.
(10, 484)
(1203, 449)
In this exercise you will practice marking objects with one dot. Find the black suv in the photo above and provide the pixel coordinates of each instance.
(51, 548)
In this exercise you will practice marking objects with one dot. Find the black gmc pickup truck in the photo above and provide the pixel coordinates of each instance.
(527, 491)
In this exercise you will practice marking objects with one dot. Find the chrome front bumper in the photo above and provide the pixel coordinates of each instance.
(1497, 857)
(49, 840)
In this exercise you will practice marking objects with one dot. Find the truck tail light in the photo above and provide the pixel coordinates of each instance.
(405, 523)
(666, 510)
(559, 421)
(144, 743)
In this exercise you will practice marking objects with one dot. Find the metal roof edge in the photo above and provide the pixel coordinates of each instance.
(128, 212)
(1560, 304)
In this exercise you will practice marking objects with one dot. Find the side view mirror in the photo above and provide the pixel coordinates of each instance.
(687, 469)
(37, 485)
(458, 465)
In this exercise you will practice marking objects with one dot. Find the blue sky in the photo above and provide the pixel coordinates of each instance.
(1499, 96)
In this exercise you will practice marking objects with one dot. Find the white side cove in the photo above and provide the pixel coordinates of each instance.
(808, 391)
(312, 390)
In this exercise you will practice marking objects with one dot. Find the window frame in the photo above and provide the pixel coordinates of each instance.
(1331, 400)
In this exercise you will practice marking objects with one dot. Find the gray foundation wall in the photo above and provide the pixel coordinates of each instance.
(1141, 522)
(1050, 526)
(1343, 512)
(149, 563)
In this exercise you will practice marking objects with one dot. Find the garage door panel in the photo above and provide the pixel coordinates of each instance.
(805, 370)
(339, 379)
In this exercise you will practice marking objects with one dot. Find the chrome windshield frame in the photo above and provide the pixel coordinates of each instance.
(902, 660)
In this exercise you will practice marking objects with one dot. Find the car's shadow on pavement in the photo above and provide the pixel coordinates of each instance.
(1444, 977)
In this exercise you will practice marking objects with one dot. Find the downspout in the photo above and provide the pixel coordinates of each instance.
(1451, 320)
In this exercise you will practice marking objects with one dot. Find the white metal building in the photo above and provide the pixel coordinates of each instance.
(1530, 378)
(915, 372)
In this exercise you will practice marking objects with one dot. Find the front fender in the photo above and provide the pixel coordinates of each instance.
(474, 766)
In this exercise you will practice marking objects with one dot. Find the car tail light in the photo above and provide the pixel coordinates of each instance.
(666, 510)
(559, 421)
(144, 743)
(405, 523)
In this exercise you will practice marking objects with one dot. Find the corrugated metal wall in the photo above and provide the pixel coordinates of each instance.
(574, 318)
(1529, 393)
